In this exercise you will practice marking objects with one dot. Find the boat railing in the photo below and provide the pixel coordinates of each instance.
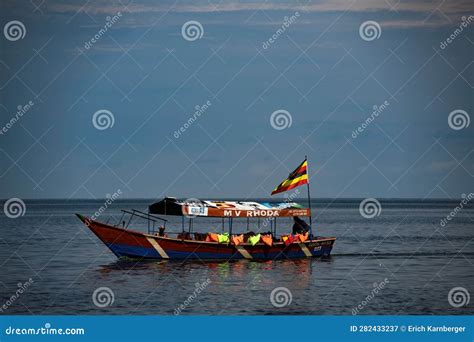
(151, 219)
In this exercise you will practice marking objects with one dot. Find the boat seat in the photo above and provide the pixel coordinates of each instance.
(200, 236)
(185, 236)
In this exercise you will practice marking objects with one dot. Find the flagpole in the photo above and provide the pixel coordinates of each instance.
(309, 201)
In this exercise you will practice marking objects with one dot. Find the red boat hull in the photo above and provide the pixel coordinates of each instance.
(133, 244)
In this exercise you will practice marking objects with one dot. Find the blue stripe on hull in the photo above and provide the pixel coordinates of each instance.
(122, 250)
(133, 251)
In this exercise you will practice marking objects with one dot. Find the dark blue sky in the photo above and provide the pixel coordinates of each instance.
(319, 69)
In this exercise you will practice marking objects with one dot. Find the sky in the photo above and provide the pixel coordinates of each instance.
(222, 99)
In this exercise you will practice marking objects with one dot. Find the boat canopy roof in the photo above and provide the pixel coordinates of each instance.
(221, 208)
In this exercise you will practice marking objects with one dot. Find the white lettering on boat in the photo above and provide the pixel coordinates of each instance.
(252, 213)
(260, 213)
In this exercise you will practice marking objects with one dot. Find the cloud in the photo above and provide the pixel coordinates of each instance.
(396, 14)
(102, 7)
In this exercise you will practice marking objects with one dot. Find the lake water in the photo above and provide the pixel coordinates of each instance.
(410, 258)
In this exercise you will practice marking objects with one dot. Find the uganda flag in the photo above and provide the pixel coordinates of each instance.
(296, 178)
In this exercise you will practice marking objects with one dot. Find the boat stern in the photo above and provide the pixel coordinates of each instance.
(321, 247)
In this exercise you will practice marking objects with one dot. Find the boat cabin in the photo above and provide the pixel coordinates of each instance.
(258, 215)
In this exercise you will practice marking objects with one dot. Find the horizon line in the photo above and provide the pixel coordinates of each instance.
(238, 198)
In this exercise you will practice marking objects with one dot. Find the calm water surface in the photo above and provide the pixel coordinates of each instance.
(406, 247)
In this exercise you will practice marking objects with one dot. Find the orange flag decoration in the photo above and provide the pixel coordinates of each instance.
(237, 239)
(296, 178)
(267, 239)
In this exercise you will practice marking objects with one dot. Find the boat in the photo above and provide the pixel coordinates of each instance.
(157, 243)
